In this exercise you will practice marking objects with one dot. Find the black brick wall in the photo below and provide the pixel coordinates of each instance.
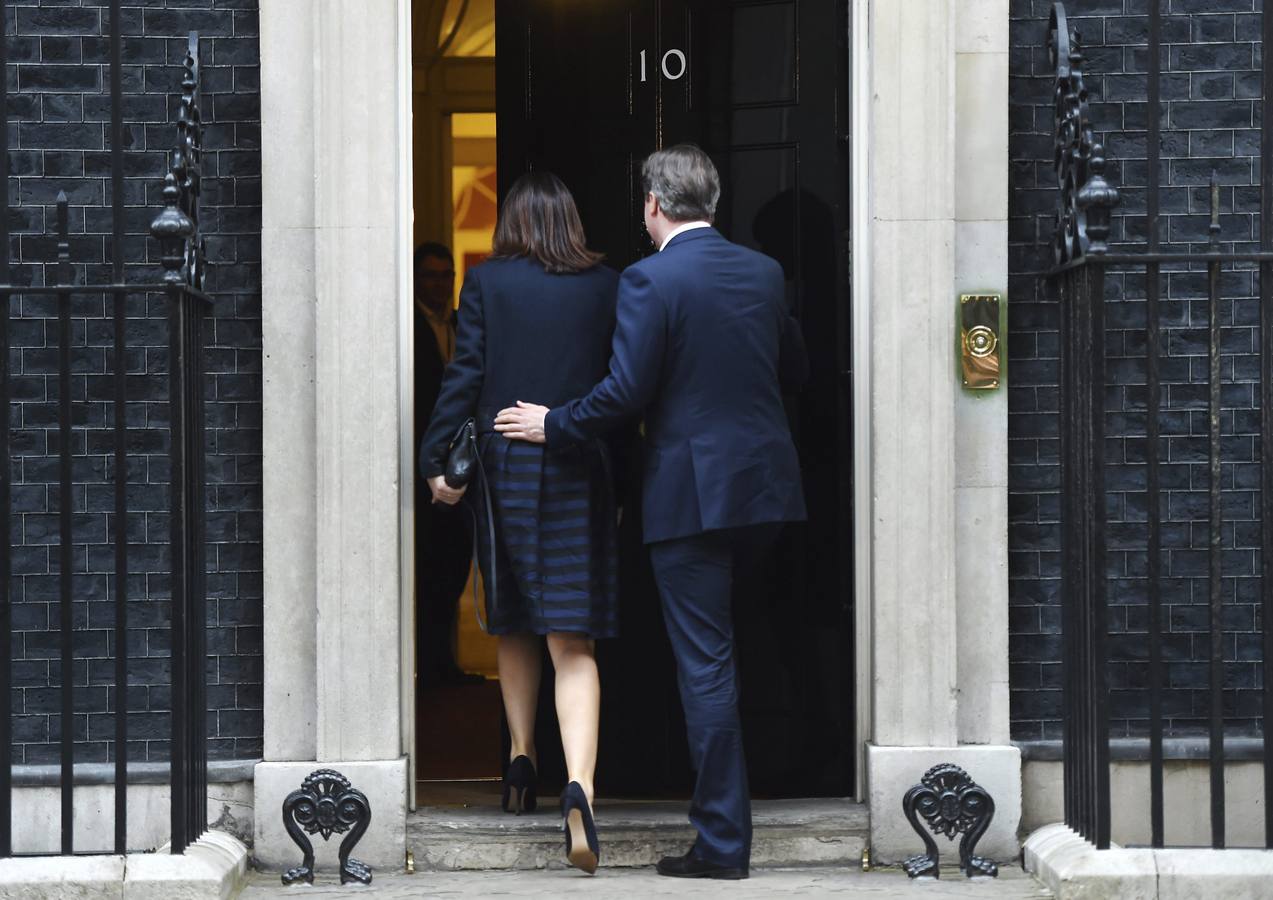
(1210, 121)
(59, 135)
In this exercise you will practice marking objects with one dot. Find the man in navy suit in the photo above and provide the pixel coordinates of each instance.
(704, 346)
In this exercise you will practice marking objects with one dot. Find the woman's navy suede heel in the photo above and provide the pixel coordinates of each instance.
(582, 848)
(519, 787)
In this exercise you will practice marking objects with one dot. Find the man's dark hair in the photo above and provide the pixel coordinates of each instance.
(684, 181)
(435, 250)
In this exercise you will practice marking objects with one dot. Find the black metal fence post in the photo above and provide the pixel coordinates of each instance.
(1266, 411)
(182, 659)
(1086, 690)
(1153, 397)
(189, 754)
(1215, 622)
(6, 478)
(120, 406)
(1085, 201)
(65, 517)
(177, 229)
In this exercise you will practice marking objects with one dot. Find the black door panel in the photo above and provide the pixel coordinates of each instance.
(587, 90)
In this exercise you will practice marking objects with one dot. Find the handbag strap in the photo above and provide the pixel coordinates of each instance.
(491, 589)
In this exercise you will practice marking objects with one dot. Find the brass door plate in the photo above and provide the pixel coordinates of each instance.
(979, 344)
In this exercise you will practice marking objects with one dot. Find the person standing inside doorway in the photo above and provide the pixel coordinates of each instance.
(442, 536)
(704, 346)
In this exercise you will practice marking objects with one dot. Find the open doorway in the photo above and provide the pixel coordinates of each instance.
(454, 155)
(586, 90)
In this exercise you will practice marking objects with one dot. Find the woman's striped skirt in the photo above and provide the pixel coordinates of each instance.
(556, 552)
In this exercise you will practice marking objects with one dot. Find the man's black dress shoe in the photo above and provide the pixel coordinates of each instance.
(691, 866)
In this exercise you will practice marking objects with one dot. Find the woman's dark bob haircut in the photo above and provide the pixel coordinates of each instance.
(539, 220)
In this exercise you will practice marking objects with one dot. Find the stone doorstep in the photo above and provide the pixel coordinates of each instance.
(785, 833)
(1075, 870)
(214, 868)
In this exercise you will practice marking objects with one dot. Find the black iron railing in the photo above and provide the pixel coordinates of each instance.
(177, 230)
(1078, 281)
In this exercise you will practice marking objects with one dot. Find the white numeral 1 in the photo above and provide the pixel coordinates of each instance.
(643, 65)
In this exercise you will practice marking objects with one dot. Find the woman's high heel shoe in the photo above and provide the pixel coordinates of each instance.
(519, 787)
(582, 848)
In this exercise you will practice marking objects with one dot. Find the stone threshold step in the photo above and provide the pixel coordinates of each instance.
(632, 833)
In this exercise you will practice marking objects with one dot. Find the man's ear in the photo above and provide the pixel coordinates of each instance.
(652, 203)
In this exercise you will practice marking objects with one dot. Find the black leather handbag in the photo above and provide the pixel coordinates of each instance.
(461, 459)
(462, 464)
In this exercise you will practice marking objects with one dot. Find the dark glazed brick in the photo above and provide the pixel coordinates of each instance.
(58, 71)
(58, 18)
(1210, 119)
(209, 23)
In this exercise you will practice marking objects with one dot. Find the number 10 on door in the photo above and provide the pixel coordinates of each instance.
(673, 65)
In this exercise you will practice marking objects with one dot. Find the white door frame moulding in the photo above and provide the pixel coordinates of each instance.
(860, 350)
(406, 400)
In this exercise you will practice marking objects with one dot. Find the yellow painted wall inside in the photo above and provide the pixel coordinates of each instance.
(474, 205)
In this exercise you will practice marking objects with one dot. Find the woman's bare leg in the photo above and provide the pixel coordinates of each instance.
(578, 704)
(520, 664)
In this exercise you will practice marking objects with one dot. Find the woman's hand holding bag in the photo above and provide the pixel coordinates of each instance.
(461, 464)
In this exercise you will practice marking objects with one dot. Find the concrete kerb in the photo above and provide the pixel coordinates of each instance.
(1073, 869)
(215, 867)
(59, 877)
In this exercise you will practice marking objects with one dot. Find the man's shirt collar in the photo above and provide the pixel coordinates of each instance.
(681, 229)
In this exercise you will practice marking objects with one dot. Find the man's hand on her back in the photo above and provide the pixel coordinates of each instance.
(523, 422)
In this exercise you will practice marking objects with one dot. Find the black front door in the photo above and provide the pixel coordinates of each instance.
(587, 90)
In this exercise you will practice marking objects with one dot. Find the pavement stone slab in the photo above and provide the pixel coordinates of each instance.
(628, 884)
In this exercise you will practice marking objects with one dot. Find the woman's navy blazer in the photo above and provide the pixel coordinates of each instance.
(704, 345)
(523, 334)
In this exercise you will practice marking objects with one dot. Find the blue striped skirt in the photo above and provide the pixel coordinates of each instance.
(556, 550)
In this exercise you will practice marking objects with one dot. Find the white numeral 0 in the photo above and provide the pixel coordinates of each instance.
(667, 73)
(680, 56)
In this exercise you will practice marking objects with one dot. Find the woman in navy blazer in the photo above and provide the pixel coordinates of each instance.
(535, 323)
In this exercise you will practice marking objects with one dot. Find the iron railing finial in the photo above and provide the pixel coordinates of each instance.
(1086, 198)
(1096, 200)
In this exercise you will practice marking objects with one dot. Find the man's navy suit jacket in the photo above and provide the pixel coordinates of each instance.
(704, 346)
